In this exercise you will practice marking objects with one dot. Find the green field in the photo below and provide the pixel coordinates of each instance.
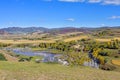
(44, 71)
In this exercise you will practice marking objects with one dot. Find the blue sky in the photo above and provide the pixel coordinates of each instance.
(59, 13)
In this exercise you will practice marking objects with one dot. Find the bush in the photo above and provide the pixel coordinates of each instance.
(25, 59)
(107, 67)
(75, 58)
(118, 51)
(83, 40)
(2, 58)
(116, 56)
(110, 52)
(103, 53)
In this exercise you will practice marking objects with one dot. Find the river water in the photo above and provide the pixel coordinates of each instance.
(47, 56)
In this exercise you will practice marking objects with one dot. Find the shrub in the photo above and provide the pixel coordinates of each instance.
(2, 58)
(116, 56)
(118, 51)
(83, 40)
(107, 67)
(25, 59)
(75, 58)
(103, 53)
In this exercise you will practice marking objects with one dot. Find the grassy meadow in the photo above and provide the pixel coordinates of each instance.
(46, 71)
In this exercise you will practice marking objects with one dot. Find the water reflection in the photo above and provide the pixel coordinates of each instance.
(47, 57)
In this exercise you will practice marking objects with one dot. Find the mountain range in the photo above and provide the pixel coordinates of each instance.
(20, 30)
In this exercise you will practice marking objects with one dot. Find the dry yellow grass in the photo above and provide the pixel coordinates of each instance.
(116, 62)
(106, 40)
(75, 38)
(117, 38)
(25, 41)
(103, 40)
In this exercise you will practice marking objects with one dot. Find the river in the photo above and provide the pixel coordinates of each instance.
(47, 56)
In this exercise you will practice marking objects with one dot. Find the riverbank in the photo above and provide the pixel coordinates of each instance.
(8, 56)
(54, 51)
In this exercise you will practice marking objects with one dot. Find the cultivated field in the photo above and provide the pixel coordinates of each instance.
(103, 40)
(25, 41)
(107, 40)
(75, 38)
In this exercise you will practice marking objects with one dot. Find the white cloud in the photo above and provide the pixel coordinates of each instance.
(94, 1)
(72, 0)
(114, 17)
(48, 0)
(106, 2)
(70, 19)
(11, 23)
(102, 24)
(114, 2)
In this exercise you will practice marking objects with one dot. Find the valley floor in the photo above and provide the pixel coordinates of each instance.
(45, 71)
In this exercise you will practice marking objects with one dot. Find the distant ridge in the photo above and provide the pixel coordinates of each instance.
(68, 29)
(2, 32)
(20, 30)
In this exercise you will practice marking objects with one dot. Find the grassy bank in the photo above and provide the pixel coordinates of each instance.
(54, 51)
(44, 71)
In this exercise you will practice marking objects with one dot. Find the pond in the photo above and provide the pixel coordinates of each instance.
(47, 56)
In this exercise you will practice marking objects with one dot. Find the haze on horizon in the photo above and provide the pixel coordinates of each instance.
(59, 13)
